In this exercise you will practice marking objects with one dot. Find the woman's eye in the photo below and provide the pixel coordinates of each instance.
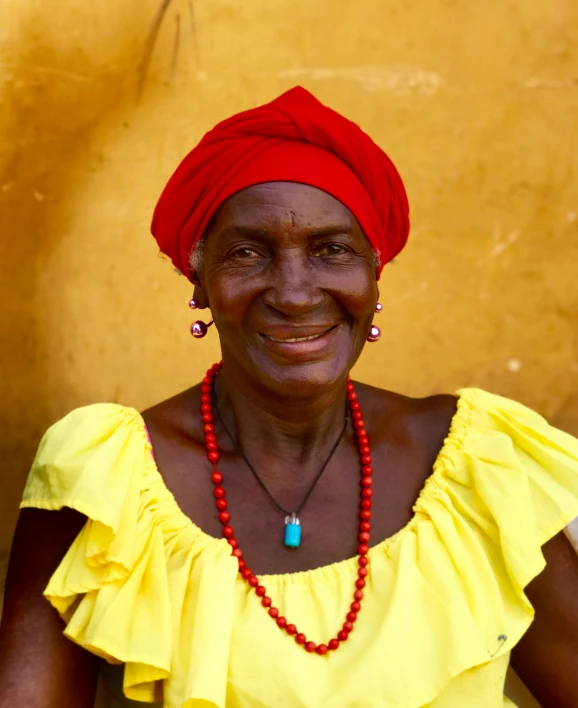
(333, 249)
(245, 253)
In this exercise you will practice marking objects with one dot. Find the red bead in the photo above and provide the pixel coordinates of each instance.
(351, 616)
(364, 450)
(364, 537)
(363, 561)
(363, 572)
(366, 481)
(232, 542)
(266, 601)
(333, 644)
(228, 532)
(205, 398)
(246, 573)
(213, 456)
(207, 381)
(322, 649)
(365, 526)
(367, 492)
(216, 478)
(205, 388)
(206, 408)
(281, 622)
(219, 491)
(291, 629)
(222, 504)
(358, 595)
(349, 388)
(300, 638)
(253, 581)
(207, 418)
(357, 424)
(208, 427)
(242, 564)
(260, 590)
(355, 606)
(352, 396)
(365, 514)
(210, 437)
(366, 504)
(216, 367)
(357, 415)
(237, 552)
(342, 635)
(211, 446)
(273, 612)
(360, 584)
(348, 627)
(362, 549)
(354, 405)
(366, 471)
(224, 516)
(310, 647)
(366, 459)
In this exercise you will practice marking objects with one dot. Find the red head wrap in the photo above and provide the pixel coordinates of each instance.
(295, 138)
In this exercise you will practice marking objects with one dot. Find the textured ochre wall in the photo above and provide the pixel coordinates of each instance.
(475, 102)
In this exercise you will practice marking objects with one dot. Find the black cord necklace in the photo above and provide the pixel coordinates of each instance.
(292, 523)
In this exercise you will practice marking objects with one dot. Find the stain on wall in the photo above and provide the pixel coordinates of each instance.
(476, 104)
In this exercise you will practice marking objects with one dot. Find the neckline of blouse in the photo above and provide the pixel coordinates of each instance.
(435, 482)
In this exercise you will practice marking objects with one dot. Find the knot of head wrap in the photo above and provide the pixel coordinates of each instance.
(295, 138)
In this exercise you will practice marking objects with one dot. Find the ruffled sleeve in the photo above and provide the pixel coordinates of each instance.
(504, 483)
(524, 474)
(135, 584)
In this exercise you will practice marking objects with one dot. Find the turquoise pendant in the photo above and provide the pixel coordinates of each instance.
(292, 531)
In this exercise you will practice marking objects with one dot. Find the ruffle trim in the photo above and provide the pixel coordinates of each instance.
(141, 584)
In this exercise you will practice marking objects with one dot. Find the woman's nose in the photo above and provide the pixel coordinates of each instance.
(293, 288)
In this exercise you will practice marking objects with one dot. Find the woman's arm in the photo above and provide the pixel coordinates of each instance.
(39, 667)
(546, 658)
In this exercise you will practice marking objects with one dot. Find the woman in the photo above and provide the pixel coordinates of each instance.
(296, 539)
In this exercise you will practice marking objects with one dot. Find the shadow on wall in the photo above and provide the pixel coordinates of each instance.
(61, 80)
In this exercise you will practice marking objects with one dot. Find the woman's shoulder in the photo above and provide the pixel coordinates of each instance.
(419, 422)
(176, 417)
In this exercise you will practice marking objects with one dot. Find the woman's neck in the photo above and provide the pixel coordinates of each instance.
(276, 432)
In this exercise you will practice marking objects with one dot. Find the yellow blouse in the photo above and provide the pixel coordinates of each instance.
(444, 603)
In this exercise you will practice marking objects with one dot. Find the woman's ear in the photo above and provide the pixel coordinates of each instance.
(199, 293)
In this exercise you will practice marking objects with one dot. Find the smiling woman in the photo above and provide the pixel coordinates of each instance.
(267, 246)
(279, 535)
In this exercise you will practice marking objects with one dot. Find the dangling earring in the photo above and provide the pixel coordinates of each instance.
(198, 328)
(375, 332)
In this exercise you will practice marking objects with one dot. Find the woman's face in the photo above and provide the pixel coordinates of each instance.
(290, 280)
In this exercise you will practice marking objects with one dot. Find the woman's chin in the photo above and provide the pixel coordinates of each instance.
(302, 379)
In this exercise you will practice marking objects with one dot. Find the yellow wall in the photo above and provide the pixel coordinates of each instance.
(475, 102)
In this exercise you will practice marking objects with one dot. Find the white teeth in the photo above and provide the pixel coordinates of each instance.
(296, 339)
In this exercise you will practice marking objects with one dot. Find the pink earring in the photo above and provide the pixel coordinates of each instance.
(199, 328)
(375, 332)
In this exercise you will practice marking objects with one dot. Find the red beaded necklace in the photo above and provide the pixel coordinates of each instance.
(229, 534)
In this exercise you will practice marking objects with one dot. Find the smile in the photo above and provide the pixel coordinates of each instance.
(307, 347)
(289, 340)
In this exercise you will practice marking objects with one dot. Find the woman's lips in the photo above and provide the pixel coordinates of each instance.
(287, 340)
(299, 344)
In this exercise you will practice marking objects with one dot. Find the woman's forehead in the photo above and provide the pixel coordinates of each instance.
(284, 203)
